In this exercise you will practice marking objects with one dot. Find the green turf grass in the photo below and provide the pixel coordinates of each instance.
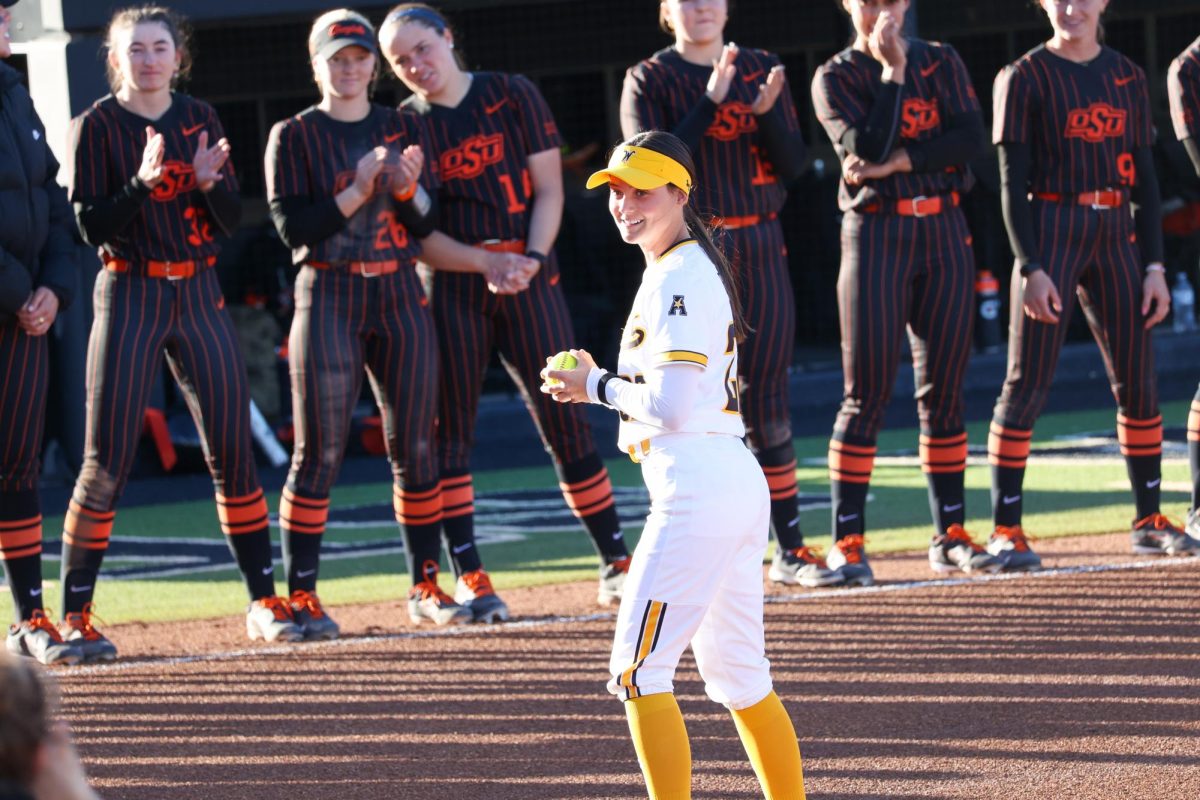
(1084, 498)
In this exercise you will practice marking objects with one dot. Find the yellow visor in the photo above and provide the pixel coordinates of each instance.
(642, 169)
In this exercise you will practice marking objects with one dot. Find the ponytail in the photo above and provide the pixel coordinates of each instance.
(730, 277)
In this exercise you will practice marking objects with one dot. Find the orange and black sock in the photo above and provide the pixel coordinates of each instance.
(1141, 444)
(21, 550)
(779, 467)
(302, 525)
(589, 494)
(419, 512)
(851, 463)
(86, 533)
(1008, 452)
(944, 461)
(458, 521)
(244, 523)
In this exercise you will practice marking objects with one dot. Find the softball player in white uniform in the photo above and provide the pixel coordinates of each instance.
(697, 572)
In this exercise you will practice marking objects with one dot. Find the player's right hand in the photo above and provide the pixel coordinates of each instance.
(509, 273)
(151, 170)
(887, 43)
(570, 385)
(368, 169)
(1041, 300)
(722, 75)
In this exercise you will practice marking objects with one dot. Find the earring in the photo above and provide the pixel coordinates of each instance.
(452, 45)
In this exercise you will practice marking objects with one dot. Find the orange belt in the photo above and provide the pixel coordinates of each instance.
(367, 269)
(503, 245)
(171, 270)
(639, 451)
(916, 206)
(1104, 198)
(732, 223)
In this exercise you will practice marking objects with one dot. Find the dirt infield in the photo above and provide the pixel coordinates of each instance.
(1072, 684)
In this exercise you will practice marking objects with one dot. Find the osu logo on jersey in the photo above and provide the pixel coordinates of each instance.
(733, 119)
(917, 116)
(1095, 123)
(178, 178)
(385, 181)
(472, 156)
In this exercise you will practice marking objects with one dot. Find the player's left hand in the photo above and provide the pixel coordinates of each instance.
(39, 312)
(408, 171)
(1155, 294)
(509, 273)
(569, 385)
(769, 91)
(208, 161)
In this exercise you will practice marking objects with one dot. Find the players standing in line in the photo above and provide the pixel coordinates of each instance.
(733, 109)
(1072, 121)
(1183, 90)
(501, 189)
(905, 122)
(152, 185)
(697, 572)
(348, 186)
(37, 266)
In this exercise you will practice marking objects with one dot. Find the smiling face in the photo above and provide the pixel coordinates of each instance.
(144, 56)
(697, 22)
(1075, 21)
(347, 73)
(650, 218)
(422, 58)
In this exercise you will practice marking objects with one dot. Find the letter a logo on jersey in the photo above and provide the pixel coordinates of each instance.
(677, 307)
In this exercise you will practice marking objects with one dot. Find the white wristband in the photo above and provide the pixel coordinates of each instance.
(1155, 268)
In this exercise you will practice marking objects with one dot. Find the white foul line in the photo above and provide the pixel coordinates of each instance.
(469, 630)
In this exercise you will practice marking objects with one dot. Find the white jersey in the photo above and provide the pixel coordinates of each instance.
(682, 315)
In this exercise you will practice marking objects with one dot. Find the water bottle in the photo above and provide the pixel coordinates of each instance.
(1183, 302)
(987, 308)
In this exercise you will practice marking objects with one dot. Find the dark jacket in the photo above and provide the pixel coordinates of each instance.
(13, 791)
(37, 228)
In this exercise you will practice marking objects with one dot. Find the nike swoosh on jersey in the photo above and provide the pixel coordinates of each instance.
(77, 589)
(1153, 483)
(847, 518)
(391, 137)
(492, 109)
(461, 548)
(1123, 80)
(193, 129)
(753, 76)
(268, 570)
(954, 507)
(304, 573)
(1008, 501)
(34, 592)
(927, 71)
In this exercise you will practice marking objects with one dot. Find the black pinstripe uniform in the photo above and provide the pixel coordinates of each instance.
(147, 238)
(1085, 126)
(359, 304)
(482, 147)
(739, 154)
(36, 251)
(905, 264)
(1183, 90)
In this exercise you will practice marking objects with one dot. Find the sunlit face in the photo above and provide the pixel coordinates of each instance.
(422, 58)
(696, 21)
(1075, 20)
(648, 217)
(865, 13)
(347, 73)
(5, 21)
(144, 56)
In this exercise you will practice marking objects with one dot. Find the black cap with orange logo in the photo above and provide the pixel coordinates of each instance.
(344, 32)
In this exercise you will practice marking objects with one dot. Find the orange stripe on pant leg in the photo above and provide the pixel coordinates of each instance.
(20, 538)
(458, 497)
(1008, 447)
(1140, 437)
(302, 514)
(652, 620)
(944, 454)
(781, 480)
(1193, 429)
(417, 508)
(850, 463)
(88, 529)
(244, 514)
(588, 497)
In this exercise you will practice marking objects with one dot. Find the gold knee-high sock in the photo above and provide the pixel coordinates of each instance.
(770, 741)
(661, 741)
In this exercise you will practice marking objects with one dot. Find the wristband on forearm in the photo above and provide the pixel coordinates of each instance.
(537, 256)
